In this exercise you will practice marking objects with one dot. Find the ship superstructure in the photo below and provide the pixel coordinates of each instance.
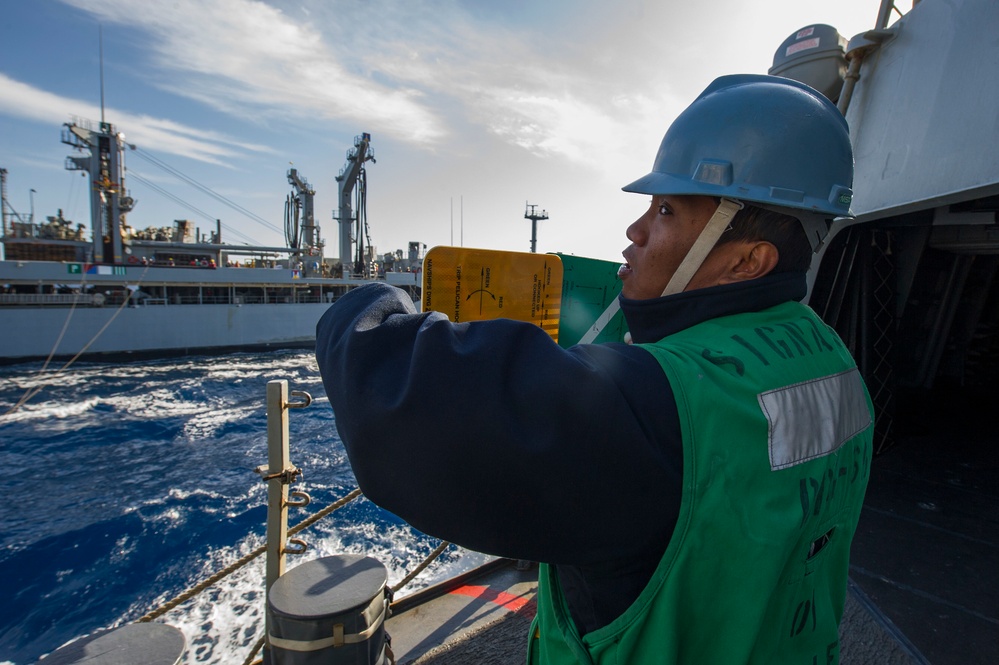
(175, 288)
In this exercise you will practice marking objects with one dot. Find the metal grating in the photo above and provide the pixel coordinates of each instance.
(879, 335)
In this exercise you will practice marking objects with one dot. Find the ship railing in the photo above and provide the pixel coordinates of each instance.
(46, 298)
(279, 473)
(189, 300)
(21, 230)
(182, 300)
(117, 297)
(81, 122)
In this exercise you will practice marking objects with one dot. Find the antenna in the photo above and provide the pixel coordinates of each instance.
(100, 49)
(532, 214)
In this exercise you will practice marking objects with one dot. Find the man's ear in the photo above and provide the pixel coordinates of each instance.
(752, 260)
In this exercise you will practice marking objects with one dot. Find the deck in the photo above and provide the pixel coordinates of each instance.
(927, 548)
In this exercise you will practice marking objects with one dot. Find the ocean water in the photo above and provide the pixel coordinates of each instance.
(126, 484)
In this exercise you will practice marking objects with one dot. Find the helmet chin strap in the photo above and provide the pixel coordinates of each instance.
(703, 245)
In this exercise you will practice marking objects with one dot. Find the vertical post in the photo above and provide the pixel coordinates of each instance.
(277, 492)
(278, 459)
(3, 200)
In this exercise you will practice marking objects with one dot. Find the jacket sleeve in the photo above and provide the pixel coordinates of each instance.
(490, 435)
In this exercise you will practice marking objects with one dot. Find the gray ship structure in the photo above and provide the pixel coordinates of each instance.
(124, 290)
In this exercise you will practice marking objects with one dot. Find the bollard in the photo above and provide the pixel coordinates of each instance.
(330, 611)
(147, 643)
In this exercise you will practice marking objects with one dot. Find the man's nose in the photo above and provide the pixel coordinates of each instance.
(636, 232)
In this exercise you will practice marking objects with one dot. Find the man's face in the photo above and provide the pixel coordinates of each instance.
(659, 240)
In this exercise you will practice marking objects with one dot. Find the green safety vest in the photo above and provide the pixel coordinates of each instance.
(777, 430)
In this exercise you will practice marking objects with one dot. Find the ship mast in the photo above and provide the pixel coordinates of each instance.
(100, 49)
(109, 201)
(532, 214)
(3, 198)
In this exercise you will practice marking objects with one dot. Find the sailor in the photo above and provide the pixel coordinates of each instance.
(691, 496)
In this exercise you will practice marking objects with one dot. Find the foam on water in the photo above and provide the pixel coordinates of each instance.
(48, 414)
(135, 482)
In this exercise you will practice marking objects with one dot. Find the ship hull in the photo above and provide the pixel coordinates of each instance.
(51, 309)
(37, 333)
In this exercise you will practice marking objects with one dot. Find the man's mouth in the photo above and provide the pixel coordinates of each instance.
(624, 270)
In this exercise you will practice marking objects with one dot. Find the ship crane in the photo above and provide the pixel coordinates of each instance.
(351, 175)
(300, 230)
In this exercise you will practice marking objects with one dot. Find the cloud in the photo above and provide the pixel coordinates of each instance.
(584, 83)
(24, 101)
(248, 58)
(548, 94)
(411, 70)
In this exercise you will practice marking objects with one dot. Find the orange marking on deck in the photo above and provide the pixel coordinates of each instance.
(501, 598)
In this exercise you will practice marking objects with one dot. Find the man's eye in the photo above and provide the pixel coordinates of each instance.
(664, 210)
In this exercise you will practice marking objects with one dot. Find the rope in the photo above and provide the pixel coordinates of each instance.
(125, 301)
(306, 523)
(253, 652)
(34, 391)
(198, 588)
(419, 569)
(156, 161)
(242, 561)
(28, 394)
(65, 326)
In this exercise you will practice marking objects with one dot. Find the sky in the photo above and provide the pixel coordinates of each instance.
(475, 108)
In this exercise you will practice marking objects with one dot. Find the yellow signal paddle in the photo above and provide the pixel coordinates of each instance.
(477, 284)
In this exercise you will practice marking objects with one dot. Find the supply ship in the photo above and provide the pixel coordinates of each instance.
(175, 289)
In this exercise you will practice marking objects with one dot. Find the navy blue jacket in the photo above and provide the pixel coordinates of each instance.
(490, 435)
